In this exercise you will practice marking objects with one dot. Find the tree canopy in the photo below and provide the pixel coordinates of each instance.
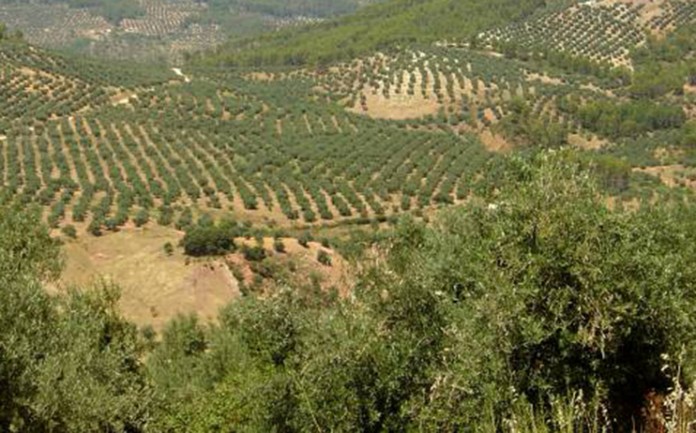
(376, 27)
(531, 293)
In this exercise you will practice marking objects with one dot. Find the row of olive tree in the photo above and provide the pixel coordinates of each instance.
(531, 293)
(536, 293)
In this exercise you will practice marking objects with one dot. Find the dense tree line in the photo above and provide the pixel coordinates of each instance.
(376, 27)
(484, 320)
(210, 238)
(620, 119)
(521, 124)
(285, 8)
(664, 66)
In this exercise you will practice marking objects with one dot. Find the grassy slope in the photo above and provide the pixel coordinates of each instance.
(376, 27)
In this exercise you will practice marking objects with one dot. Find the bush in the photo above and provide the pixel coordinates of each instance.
(304, 239)
(95, 227)
(141, 218)
(278, 245)
(208, 241)
(254, 254)
(568, 295)
(168, 249)
(69, 231)
(324, 258)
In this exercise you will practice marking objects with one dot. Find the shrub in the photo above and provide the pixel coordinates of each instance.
(304, 239)
(168, 249)
(141, 218)
(69, 231)
(208, 241)
(324, 258)
(254, 254)
(573, 297)
(278, 245)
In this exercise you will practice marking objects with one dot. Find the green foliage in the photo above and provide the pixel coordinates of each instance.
(324, 257)
(173, 364)
(286, 8)
(26, 247)
(626, 119)
(571, 291)
(376, 27)
(522, 125)
(534, 290)
(112, 10)
(664, 66)
(5, 35)
(141, 218)
(254, 254)
(278, 245)
(67, 363)
(305, 238)
(168, 248)
(69, 231)
(209, 240)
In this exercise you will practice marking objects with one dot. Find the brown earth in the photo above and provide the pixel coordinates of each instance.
(154, 286)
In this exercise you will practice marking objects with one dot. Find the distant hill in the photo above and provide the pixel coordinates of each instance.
(158, 30)
(603, 31)
(112, 10)
(287, 8)
(376, 27)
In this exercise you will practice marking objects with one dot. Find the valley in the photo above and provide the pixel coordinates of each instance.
(350, 215)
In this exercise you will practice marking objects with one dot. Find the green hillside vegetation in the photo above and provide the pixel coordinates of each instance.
(664, 66)
(158, 30)
(537, 308)
(6, 35)
(377, 27)
(106, 144)
(281, 8)
(112, 10)
(512, 215)
(250, 18)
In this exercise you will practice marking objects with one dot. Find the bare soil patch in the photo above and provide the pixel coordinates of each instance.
(154, 286)
(303, 261)
(672, 175)
(494, 142)
(397, 106)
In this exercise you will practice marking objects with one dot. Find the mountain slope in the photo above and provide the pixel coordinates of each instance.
(376, 28)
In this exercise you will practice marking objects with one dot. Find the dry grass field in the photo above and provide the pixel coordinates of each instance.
(155, 287)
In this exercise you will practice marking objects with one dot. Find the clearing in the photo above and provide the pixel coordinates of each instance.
(154, 286)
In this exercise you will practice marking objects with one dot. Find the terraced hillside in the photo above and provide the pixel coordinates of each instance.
(467, 87)
(162, 30)
(405, 130)
(604, 31)
(106, 154)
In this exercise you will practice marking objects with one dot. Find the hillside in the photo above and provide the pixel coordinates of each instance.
(603, 31)
(424, 215)
(156, 30)
(377, 27)
(361, 141)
